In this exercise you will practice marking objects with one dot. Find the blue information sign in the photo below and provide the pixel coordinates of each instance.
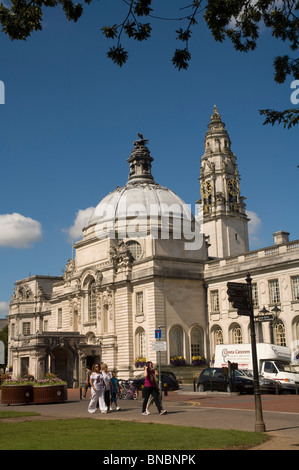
(158, 334)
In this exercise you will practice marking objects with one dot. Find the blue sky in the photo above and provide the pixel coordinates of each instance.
(70, 118)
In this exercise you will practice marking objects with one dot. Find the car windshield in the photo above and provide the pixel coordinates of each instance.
(283, 367)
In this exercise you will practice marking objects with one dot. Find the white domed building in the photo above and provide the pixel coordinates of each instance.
(138, 267)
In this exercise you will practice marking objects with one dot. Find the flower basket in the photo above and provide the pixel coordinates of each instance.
(178, 361)
(16, 394)
(140, 362)
(198, 361)
(50, 394)
(24, 391)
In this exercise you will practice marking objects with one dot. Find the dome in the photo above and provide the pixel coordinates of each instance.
(142, 206)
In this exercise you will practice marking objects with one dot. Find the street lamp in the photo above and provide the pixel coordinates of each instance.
(264, 311)
(276, 311)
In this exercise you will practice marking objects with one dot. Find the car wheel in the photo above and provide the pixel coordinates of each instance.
(201, 388)
(228, 388)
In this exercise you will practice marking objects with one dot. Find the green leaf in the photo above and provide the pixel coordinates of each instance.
(181, 58)
(118, 55)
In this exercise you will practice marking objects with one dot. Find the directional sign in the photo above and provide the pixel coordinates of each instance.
(239, 296)
(264, 318)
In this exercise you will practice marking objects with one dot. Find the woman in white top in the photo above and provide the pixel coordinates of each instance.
(97, 390)
(107, 380)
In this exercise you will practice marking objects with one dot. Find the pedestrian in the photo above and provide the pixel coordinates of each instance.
(151, 398)
(114, 391)
(151, 388)
(97, 390)
(107, 382)
(87, 382)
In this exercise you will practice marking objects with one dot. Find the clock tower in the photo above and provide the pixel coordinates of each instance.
(225, 223)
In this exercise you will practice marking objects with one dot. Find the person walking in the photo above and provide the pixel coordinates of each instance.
(114, 391)
(87, 383)
(151, 388)
(151, 398)
(107, 381)
(97, 390)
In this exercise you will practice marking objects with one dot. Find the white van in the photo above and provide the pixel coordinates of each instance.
(274, 362)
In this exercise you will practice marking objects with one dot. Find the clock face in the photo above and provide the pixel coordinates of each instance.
(233, 187)
(206, 189)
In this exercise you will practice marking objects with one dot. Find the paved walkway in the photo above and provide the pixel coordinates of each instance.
(188, 408)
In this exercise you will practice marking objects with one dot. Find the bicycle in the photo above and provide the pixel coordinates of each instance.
(127, 390)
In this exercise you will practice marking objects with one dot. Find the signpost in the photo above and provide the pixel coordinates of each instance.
(241, 297)
(159, 346)
(264, 318)
(158, 334)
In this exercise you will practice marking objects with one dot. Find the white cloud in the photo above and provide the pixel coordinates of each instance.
(4, 308)
(17, 231)
(82, 218)
(254, 226)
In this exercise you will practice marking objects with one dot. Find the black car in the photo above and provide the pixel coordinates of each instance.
(167, 382)
(266, 385)
(215, 380)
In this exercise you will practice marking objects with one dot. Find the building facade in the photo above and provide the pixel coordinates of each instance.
(143, 263)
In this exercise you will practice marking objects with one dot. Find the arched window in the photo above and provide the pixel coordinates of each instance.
(237, 335)
(218, 336)
(92, 301)
(196, 340)
(176, 341)
(280, 334)
(140, 343)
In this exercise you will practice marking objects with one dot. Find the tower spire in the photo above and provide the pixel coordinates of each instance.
(140, 161)
(225, 219)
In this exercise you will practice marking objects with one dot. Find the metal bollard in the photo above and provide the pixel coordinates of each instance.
(165, 390)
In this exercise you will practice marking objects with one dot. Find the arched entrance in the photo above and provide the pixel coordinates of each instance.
(62, 364)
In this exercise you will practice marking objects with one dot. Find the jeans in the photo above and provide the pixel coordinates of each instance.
(151, 391)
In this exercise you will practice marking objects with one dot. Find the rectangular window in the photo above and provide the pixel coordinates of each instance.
(255, 296)
(13, 330)
(295, 287)
(26, 329)
(59, 318)
(139, 303)
(92, 302)
(274, 291)
(215, 301)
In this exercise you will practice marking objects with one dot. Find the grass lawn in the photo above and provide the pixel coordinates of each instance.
(91, 434)
(16, 414)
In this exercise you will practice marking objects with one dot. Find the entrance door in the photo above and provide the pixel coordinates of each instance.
(24, 366)
(64, 365)
(91, 360)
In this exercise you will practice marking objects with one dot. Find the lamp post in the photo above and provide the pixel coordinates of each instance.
(276, 311)
(270, 318)
(264, 311)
